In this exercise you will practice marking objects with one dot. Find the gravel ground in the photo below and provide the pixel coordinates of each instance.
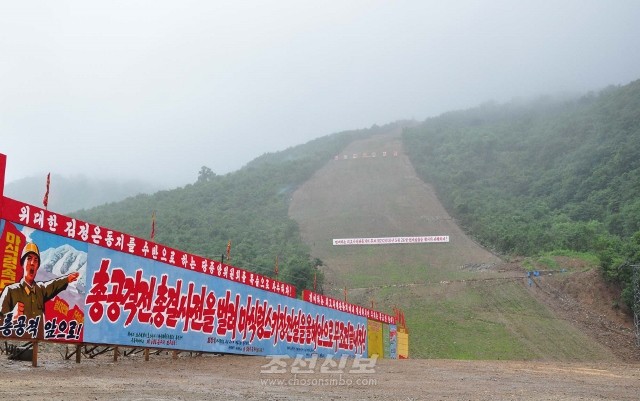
(234, 377)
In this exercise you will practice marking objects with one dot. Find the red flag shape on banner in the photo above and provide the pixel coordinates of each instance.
(45, 200)
(153, 225)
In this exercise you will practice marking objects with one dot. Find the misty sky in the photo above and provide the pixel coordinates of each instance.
(156, 89)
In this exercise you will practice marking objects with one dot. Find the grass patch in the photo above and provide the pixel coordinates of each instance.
(446, 336)
(528, 265)
(463, 324)
(562, 259)
(547, 263)
(588, 258)
(492, 321)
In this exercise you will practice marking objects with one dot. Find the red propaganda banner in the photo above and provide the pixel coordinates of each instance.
(323, 300)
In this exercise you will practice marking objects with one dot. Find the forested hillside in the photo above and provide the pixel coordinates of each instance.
(543, 176)
(247, 207)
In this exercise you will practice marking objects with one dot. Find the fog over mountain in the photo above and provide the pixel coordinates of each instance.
(69, 194)
(154, 90)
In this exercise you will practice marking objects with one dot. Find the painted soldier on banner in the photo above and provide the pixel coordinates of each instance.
(39, 297)
(28, 296)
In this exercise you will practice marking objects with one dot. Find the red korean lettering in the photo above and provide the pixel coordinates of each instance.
(266, 329)
(201, 310)
(159, 308)
(138, 298)
(98, 293)
(209, 314)
(175, 305)
(281, 324)
(192, 308)
(117, 297)
(227, 313)
(244, 318)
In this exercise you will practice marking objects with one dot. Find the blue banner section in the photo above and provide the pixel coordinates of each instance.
(393, 342)
(134, 301)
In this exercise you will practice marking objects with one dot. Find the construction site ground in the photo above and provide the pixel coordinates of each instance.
(233, 377)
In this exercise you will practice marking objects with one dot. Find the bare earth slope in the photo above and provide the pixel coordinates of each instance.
(461, 301)
(379, 196)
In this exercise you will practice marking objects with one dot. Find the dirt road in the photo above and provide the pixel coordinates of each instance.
(231, 377)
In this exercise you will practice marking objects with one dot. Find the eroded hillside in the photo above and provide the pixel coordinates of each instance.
(461, 301)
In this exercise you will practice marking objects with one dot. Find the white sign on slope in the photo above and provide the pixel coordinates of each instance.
(391, 240)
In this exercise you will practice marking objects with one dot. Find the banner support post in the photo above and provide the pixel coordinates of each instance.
(34, 358)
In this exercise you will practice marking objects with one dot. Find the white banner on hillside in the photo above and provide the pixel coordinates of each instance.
(391, 240)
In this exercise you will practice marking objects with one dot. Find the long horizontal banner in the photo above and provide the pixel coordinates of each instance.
(391, 240)
(130, 301)
(88, 293)
(329, 302)
(364, 155)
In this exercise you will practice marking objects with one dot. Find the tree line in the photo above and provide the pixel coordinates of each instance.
(549, 175)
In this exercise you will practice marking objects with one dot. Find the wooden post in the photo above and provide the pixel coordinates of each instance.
(175, 354)
(116, 352)
(146, 354)
(34, 358)
(78, 348)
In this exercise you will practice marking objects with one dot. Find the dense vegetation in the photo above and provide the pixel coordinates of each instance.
(248, 207)
(549, 175)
